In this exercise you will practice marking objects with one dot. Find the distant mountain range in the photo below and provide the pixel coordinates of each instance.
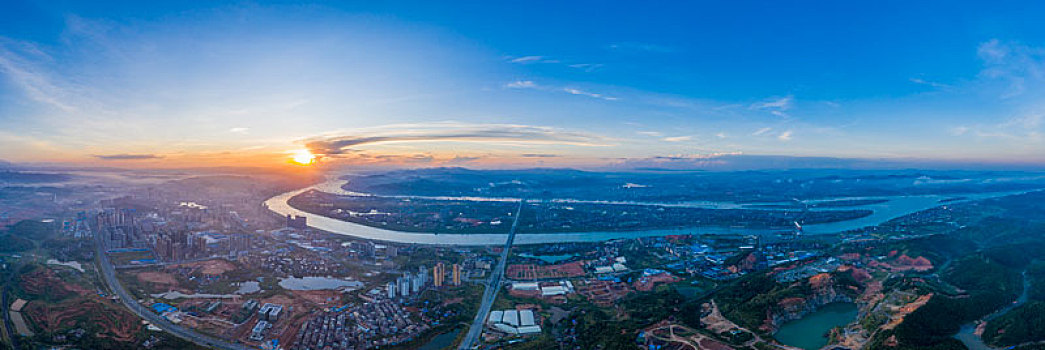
(735, 162)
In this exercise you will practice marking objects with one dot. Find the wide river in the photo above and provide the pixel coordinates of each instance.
(882, 212)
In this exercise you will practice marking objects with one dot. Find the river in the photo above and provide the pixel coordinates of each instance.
(808, 332)
(968, 335)
(882, 212)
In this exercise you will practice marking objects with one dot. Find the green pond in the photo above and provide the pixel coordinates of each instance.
(810, 331)
(441, 341)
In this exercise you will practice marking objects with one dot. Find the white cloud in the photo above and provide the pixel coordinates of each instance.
(1021, 131)
(784, 136)
(934, 84)
(775, 104)
(589, 94)
(18, 62)
(993, 51)
(341, 143)
(1029, 121)
(239, 130)
(677, 138)
(1019, 67)
(521, 84)
(959, 130)
(721, 135)
(761, 131)
(527, 59)
(587, 67)
(650, 133)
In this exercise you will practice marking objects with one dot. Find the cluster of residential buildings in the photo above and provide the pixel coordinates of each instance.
(409, 284)
(179, 236)
(375, 323)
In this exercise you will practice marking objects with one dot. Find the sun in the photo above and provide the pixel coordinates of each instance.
(303, 157)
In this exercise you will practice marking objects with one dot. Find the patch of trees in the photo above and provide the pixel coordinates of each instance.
(649, 308)
(1023, 324)
(14, 244)
(596, 329)
(33, 229)
(989, 286)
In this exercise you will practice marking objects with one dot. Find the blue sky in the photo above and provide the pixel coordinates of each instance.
(483, 84)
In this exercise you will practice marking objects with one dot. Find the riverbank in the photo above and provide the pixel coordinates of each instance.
(971, 333)
(882, 212)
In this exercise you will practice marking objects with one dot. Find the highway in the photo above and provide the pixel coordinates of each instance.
(493, 285)
(109, 274)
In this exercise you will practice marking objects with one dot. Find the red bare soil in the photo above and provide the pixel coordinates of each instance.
(115, 323)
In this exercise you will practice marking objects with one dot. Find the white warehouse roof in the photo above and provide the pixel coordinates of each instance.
(529, 329)
(525, 285)
(495, 317)
(526, 318)
(511, 317)
(554, 290)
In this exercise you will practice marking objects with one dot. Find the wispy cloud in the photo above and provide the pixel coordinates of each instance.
(527, 59)
(934, 84)
(529, 84)
(1015, 64)
(1028, 121)
(785, 136)
(463, 159)
(532, 59)
(20, 63)
(239, 130)
(776, 106)
(959, 130)
(450, 131)
(761, 131)
(721, 135)
(650, 133)
(539, 155)
(574, 91)
(587, 67)
(677, 138)
(521, 84)
(1023, 130)
(127, 156)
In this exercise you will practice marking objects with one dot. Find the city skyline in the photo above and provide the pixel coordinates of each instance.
(486, 85)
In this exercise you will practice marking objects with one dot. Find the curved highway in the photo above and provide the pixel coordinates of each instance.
(109, 274)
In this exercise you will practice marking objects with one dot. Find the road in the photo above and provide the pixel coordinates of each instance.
(109, 274)
(9, 331)
(493, 285)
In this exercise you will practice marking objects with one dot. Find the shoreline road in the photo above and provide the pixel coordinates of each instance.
(109, 274)
(493, 285)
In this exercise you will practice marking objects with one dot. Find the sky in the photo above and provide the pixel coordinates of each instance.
(487, 84)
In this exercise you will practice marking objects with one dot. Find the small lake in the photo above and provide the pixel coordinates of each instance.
(548, 258)
(441, 341)
(318, 283)
(809, 332)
